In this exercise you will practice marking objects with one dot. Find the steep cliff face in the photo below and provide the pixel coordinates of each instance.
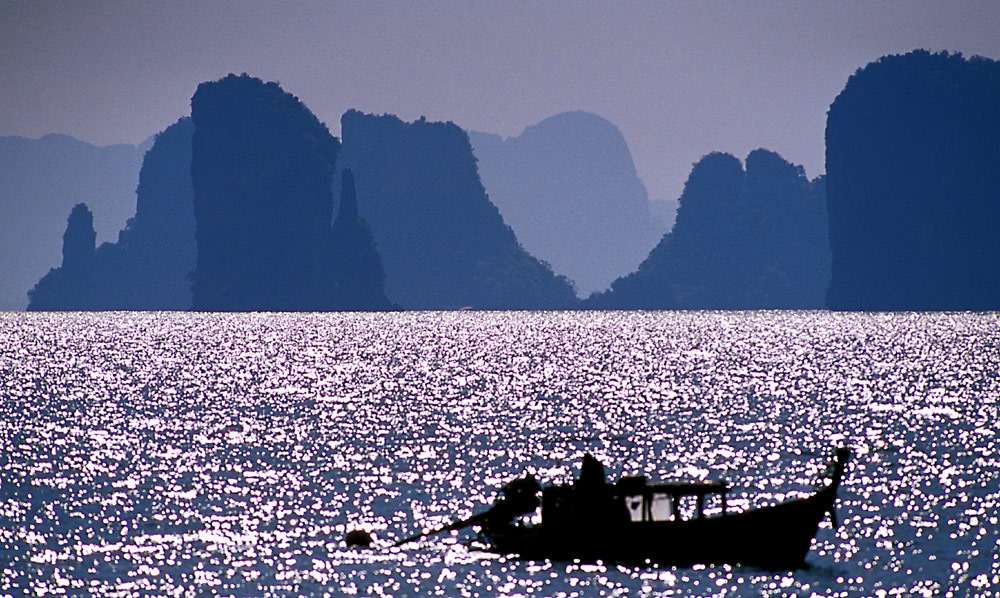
(156, 251)
(568, 188)
(163, 227)
(443, 244)
(743, 239)
(358, 265)
(66, 287)
(262, 169)
(79, 240)
(913, 188)
(149, 266)
(40, 182)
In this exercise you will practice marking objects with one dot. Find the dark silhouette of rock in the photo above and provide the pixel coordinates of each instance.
(149, 267)
(79, 240)
(40, 181)
(66, 287)
(443, 244)
(743, 239)
(160, 239)
(568, 188)
(359, 274)
(912, 156)
(262, 170)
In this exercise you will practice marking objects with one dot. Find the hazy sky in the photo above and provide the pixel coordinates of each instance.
(680, 79)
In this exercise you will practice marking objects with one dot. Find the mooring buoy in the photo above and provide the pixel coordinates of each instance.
(358, 537)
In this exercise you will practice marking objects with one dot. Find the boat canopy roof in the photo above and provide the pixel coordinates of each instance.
(639, 485)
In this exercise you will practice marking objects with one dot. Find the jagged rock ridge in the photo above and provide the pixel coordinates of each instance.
(743, 239)
(444, 245)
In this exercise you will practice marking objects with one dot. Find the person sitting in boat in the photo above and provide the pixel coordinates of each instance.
(594, 498)
(591, 473)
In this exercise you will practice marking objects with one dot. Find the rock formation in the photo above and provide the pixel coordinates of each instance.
(358, 272)
(40, 182)
(743, 239)
(160, 240)
(66, 287)
(262, 169)
(443, 244)
(568, 188)
(912, 158)
(149, 267)
(79, 240)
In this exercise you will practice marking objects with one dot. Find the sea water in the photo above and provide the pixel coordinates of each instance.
(173, 454)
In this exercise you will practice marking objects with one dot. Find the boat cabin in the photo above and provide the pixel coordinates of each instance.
(632, 498)
(661, 501)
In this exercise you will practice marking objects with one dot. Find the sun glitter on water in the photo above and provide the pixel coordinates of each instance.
(230, 454)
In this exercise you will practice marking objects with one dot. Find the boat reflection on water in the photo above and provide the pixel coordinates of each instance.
(635, 521)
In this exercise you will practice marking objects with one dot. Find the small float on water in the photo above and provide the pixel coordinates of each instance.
(634, 520)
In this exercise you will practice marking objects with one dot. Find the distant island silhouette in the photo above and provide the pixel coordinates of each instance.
(40, 182)
(568, 188)
(743, 239)
(233, 213)
(262, 171)
(148, 268)
(444, 245)
(913, 152)
(251, 204)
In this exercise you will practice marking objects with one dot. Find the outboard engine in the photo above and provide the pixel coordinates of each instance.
(520, 497)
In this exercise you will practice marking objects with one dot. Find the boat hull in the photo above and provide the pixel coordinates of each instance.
(774, 537)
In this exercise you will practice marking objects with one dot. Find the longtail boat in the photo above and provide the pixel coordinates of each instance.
(637, 521)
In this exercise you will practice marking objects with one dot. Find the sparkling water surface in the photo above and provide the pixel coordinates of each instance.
(172, 454)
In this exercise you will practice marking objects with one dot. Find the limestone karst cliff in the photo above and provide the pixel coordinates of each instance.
(444, 245)
(358, 265)
(912, 158)
(67, 284)
(745, 238)
(148, 267)
(262, 170)
(233, 213)
(568, 188)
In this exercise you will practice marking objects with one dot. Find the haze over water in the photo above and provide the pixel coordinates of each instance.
(179, 454)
